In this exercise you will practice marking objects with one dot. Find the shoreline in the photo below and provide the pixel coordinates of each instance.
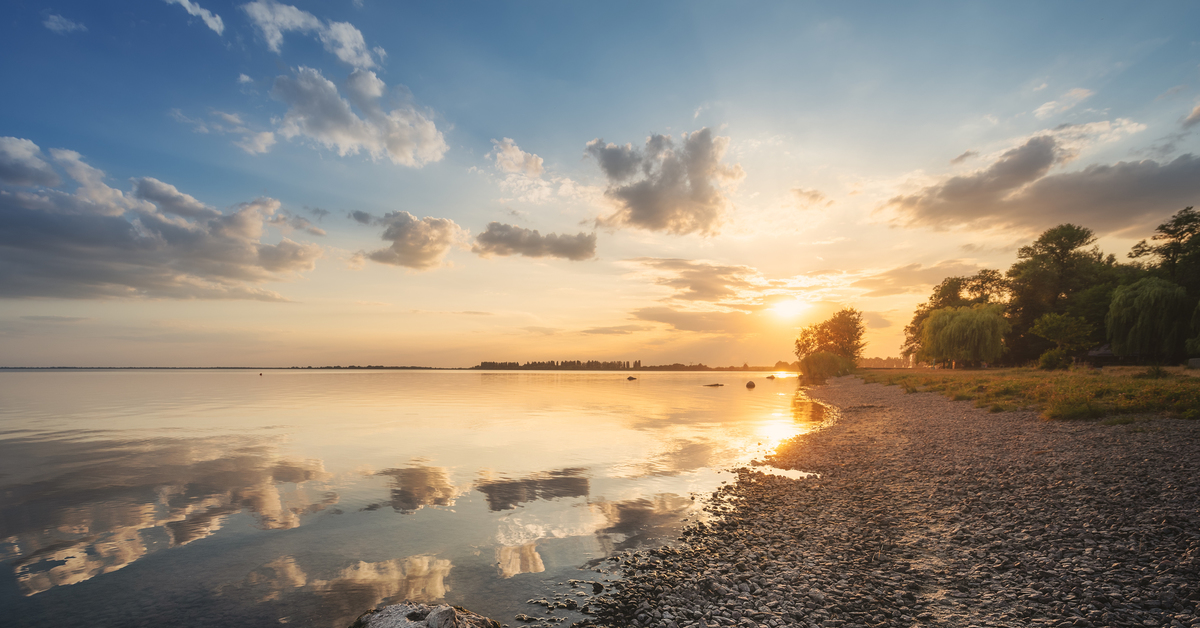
(933, 512)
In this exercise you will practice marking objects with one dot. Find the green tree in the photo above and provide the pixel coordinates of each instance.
(1069, 333)
(1175, 247)
(986, 286)
(1149, 318)
(970, 334)
(841, 334)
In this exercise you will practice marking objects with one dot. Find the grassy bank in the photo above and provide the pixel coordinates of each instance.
(1073, 394)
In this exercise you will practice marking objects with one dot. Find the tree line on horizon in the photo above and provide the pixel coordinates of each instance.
(1063, 296)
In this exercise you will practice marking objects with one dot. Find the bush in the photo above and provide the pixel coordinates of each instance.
(1054, 359)
(819, 366)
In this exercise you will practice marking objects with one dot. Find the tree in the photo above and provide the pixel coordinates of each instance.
(986, 286)
(1149, 318)
(964, 334)
(840, 335)
(1070, 333)
(1178, 245)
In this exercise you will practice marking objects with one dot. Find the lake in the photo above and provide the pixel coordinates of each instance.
(305, 497)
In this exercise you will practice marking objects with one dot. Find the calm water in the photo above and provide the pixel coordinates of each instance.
(228, 498)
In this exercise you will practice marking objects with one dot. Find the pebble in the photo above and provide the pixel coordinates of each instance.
(930, 512)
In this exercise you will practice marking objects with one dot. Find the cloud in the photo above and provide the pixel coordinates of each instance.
(157, 242)
(809, 197)
(21, 163)
(680, 190)
(340, 38)
(211, 19)
(502, 239)
(62, 25)
(420, 244)
(876, 320)
(703, 281)
(616, 330)
(256, 143)
(1193, 118)
(1065, 103)
(317, 111)
(253, 142)
(288, 221)
(243, 79)
(55, 319)
(510, 158)
(1170, 92)
(361, 217)
(1017, 191)
(913, 277)
(963, 157)
(731, 323)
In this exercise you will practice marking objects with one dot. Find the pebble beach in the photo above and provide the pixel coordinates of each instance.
(925, 511)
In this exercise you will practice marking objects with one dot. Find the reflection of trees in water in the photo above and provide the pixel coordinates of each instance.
(636, 522)
(805, 409)
(507, 494)
(99, 511)
(350, 591)
(417, 486)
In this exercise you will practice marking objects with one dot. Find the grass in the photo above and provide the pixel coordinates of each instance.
(1064, 395)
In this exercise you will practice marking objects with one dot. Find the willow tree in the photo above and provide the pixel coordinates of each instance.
(1149, 318)
(964, 334)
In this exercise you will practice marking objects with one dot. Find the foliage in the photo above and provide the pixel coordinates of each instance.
(822, 364)
(986, 286)
(1070, 333)
(1055, 359)
(841, 335)
(1148, 318)
(1071, 394)
(1176, 247)
(964, 334)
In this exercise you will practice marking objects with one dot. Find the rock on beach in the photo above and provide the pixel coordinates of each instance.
(410, 615)
(931, 512)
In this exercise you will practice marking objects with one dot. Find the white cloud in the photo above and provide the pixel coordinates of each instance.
(256, 143)
(62, 25)
(1193, 118)
(157, 242)
(243, 79)
(340, 38)
(1065, 103)
(211, 19)
(21, 163)
(511, 159)
(253, 142)
(680, 190)
(417, 243)
(317, 111)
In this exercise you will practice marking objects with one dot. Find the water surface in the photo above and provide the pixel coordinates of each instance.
(197, 498)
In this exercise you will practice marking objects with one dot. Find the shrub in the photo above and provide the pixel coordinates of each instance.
(821, 365)
(1054, 359)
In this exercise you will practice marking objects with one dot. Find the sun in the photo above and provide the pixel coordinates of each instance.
(791, 308)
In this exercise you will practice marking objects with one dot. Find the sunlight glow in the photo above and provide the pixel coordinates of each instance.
(790, 309)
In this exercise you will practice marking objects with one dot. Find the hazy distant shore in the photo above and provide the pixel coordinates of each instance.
(932, 512)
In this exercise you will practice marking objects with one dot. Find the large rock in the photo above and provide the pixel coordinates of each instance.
(408, 615)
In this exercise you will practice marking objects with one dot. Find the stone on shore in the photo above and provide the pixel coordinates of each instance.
(409, 615)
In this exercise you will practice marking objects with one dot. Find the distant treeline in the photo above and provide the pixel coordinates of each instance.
(636, 365)
(885, 363)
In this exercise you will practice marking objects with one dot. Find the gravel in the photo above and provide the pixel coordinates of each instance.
(928, 511)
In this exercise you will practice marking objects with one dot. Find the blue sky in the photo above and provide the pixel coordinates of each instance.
(818, 170)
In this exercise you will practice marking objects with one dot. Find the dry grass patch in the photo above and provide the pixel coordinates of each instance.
(1074, 394)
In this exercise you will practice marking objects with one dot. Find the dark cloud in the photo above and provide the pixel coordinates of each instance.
(963, 157)
(1017, 192)
(702, 281)
(502, 239)
(913, 277)
(54, 319)
(418, 243)
(21, 163)
(361, 217)
(679, 190)
(319, 213)
(299, 223)
(617, 330)
(156, 242)
(508, 494)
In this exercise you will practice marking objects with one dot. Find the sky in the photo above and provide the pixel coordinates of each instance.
(206, 183)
